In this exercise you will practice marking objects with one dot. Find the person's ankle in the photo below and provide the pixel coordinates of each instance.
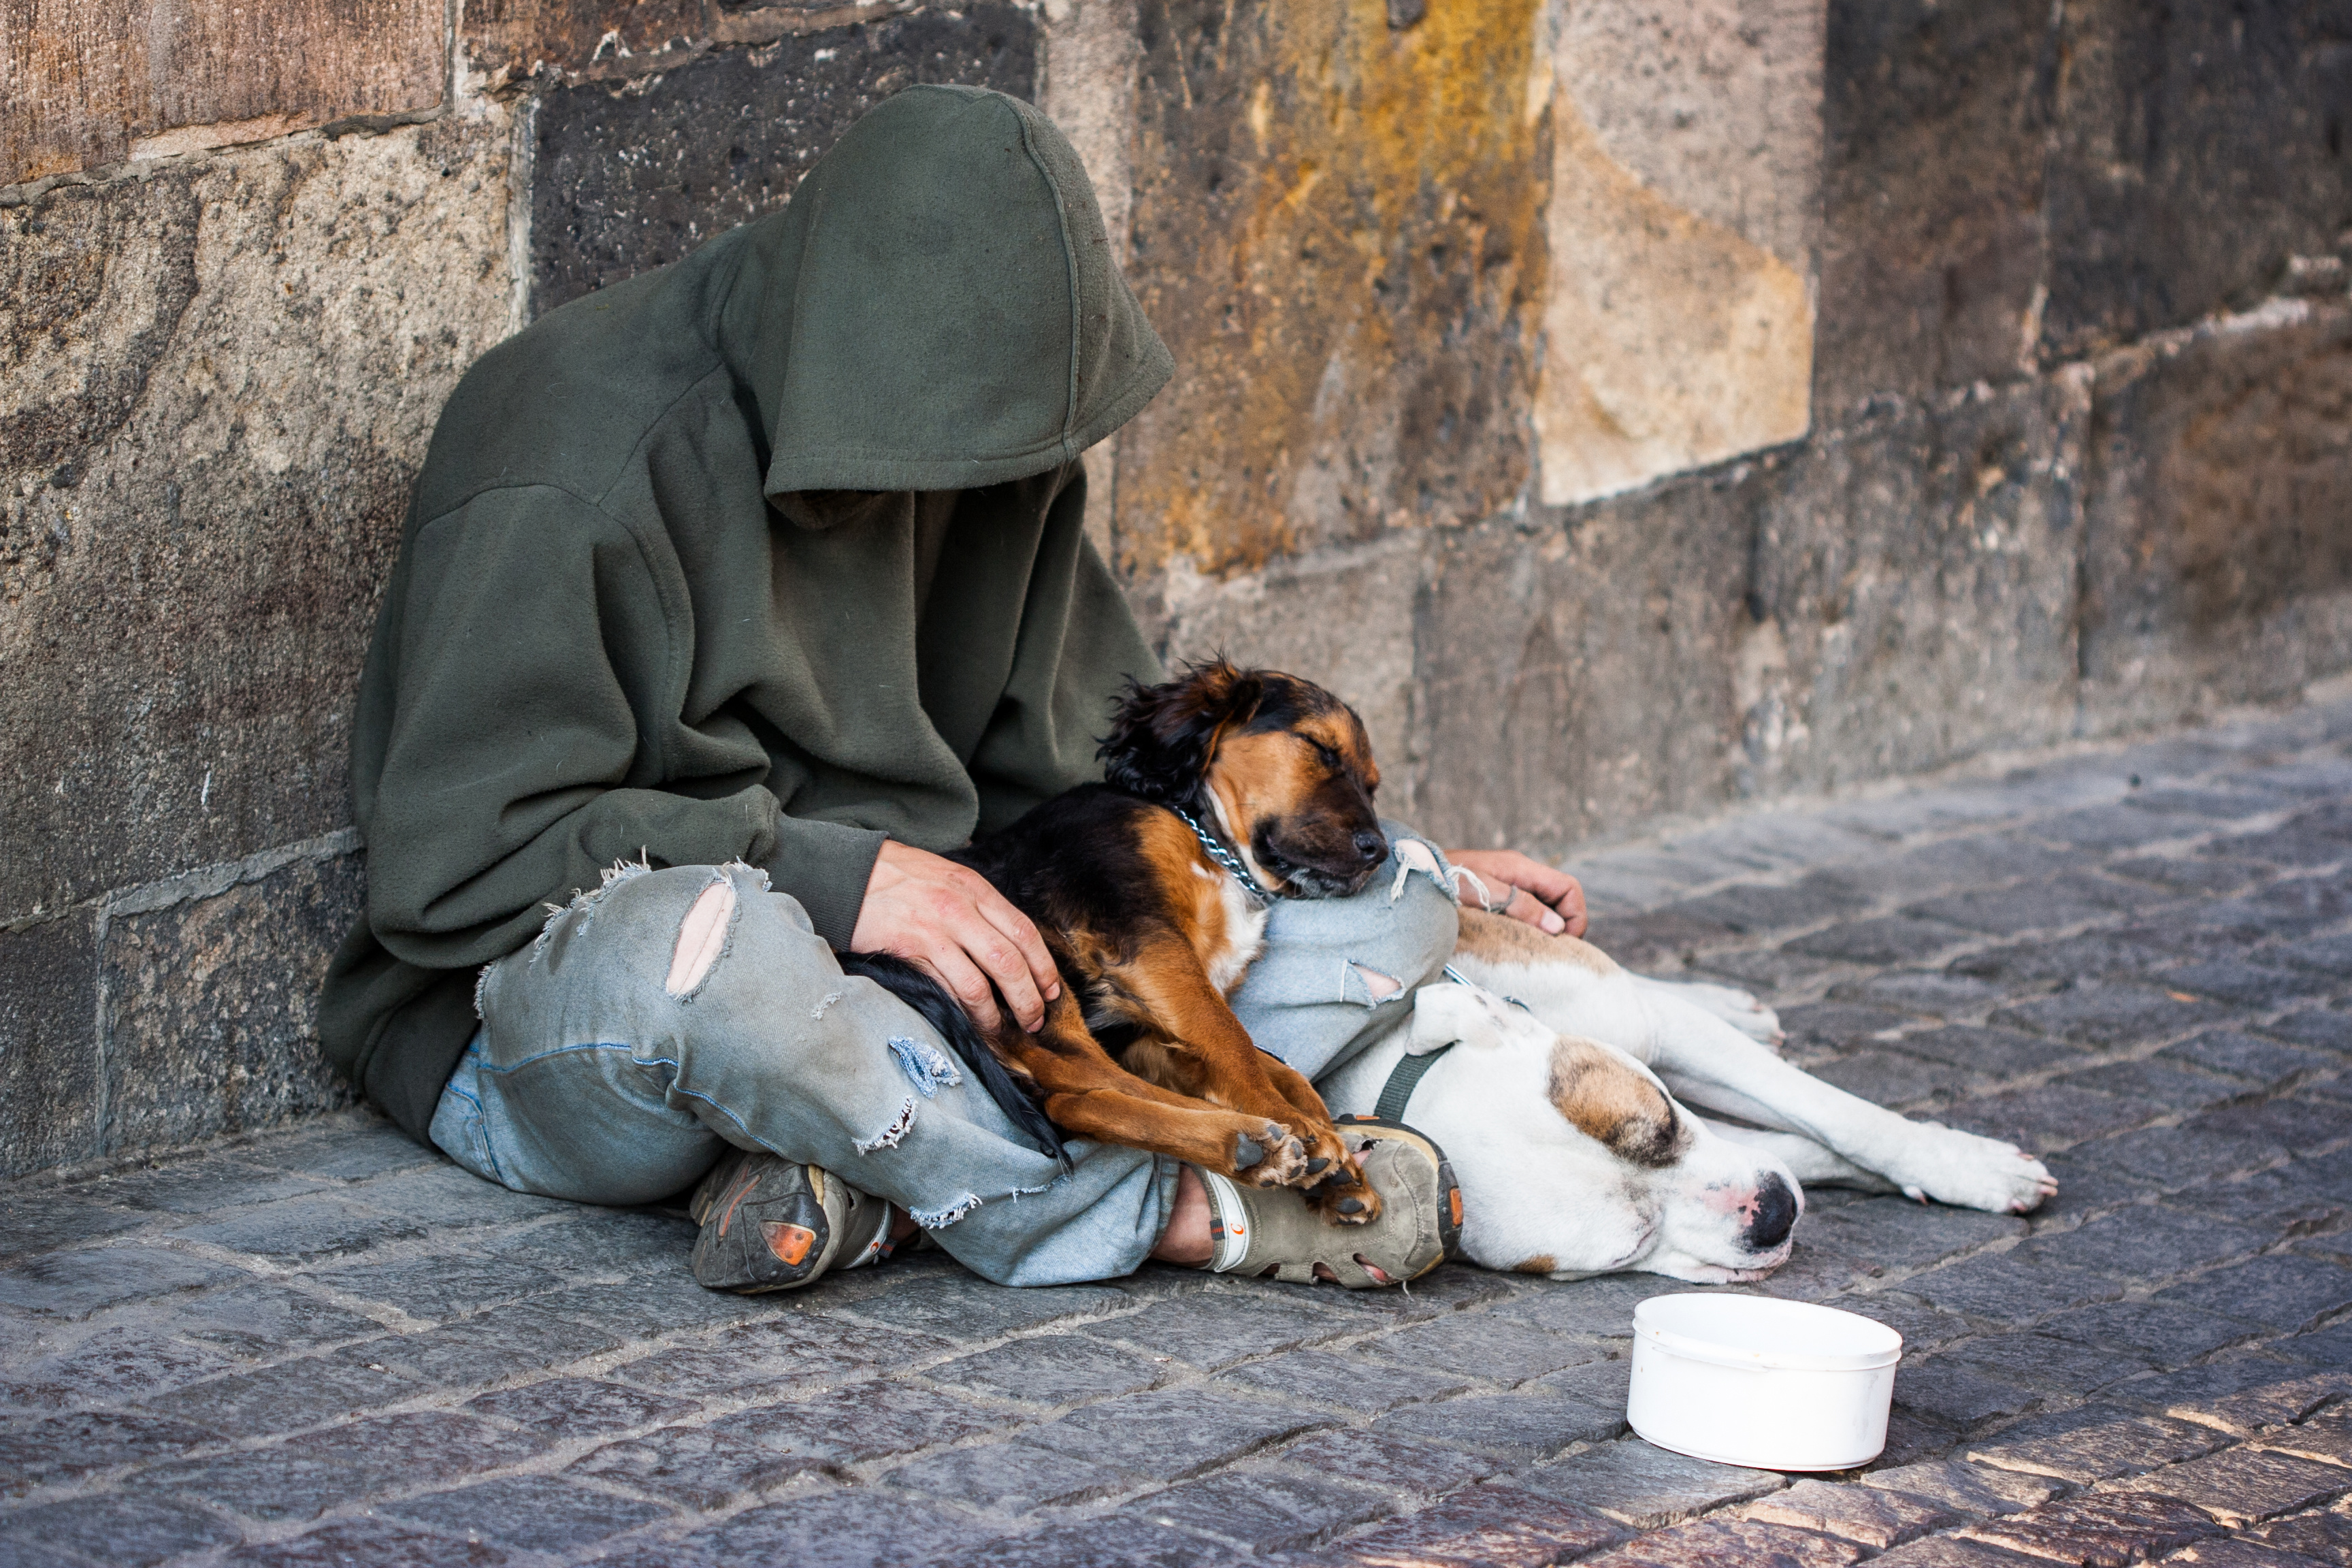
(1185, 1241)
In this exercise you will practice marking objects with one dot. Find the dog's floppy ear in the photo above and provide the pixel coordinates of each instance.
(1162, 736)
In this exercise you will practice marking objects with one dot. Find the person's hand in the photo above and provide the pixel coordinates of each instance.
(1550, 901)
(946, 921)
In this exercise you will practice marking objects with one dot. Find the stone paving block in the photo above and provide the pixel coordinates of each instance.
(866, 1421)
(2282, 1202)
(2094, 955)
(2245, 1485)
(2291, 846)
(2256, 986)
(1953, 1551)
(597, 1244)
(201, 1185)
(2145, 1243)
(131, 1532)
(2173, 1157)
(578, 1407)
(1771, 971)
(1011, 1478)
(1645, 1487)
(1483, 1527)
(1974, 861)
(449, 1198)
(2327, 1437)
(1923, 1328)
(1494, 1349)
(62, 1448)
(117, 1367)
(1173, 1433)
(1911, 1437)
(2329, 955)
(2299, 1124)
(668, 1304)
(2108, 1016)
(1214, 1331)
(1602, 1308)
(304, 1478)
(1886, 1078)
(1054, 1369)
(2299, 906)
(2182, 1092)
(2321, 1347)
(1727, 1543)
(1753, 909)
(343, 1149)
(1268, 1508)
(2052, 1117)
(39, 1222)
(474, 1352)
(2197, 873)
(1988, 1052)
(960, 1306)
(1889, 939)
(2242, 1397)
(2046, 1363)
(2007, 1290)
(1533, 1424)
(2167, 1335)
(696, 1467)
(1321, 1377)
(434, 1289)
(776, 1359)
(2282, 1292)
(542, 1513)
(1603, 1384)
(1873, 1516)
(2268, 1062)
(286, 1397)
(73, 1285)
(2099, 1529)
(845, 1527)
(377, 1544)
(264, 1322)
(2322, 1027)
(1841, 1023)
(2095, 1443)
(1113, 1541)
(1959, 1396)
(2072, 900)
(2322, 1537)
(2121, 825)
(1897, 1233)
(1973, 1490)
(1384, 1459)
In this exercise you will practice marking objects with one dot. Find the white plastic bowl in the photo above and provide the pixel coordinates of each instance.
(1746, 1380)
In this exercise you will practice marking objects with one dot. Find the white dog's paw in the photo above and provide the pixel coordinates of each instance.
(1729, 1003)
(1969, 1172)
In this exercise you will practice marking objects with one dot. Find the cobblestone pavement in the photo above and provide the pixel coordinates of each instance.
(322, 1346)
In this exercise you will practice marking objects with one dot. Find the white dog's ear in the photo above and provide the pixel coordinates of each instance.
(1453, 1013)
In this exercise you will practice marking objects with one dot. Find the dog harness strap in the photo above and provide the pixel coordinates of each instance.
(1224, 857)
(1403, 1078)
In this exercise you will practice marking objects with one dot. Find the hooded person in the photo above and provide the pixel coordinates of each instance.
(725, 593)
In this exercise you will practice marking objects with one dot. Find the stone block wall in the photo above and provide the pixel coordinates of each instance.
(1635, 408)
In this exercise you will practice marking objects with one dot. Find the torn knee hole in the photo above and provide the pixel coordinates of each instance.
(1381, 986)
(700, 938)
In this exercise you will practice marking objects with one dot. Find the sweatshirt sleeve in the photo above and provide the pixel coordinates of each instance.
(532, 663)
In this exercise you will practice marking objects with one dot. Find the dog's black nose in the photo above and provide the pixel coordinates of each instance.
(1776, 1214)
(1371, 848)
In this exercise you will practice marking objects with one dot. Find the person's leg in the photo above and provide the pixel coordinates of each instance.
(1338, 974)
(675, 1013)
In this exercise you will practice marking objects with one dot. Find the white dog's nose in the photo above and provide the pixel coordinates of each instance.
(1772, 1215)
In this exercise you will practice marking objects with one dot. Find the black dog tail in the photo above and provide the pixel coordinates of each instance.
(941, 1012)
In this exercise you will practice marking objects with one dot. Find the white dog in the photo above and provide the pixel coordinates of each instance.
(1556, 1082)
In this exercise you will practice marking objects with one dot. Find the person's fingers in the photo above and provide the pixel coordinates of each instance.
(1001, 959)
(999, 912)
(944, 959)
(1572, 910)
(1526, 906)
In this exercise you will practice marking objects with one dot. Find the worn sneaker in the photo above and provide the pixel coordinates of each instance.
(768, 1223)
(1271, 1231)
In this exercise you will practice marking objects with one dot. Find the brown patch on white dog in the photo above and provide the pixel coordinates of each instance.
(1610, 1100)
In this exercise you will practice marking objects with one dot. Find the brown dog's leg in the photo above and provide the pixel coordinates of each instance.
(1087, 1093)
(1203, 1051)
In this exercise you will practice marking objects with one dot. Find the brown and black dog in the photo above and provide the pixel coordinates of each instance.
(1153, 924)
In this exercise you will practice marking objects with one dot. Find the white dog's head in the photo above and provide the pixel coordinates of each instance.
(1574, 1160)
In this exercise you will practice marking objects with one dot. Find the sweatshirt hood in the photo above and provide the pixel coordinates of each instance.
(936, 307)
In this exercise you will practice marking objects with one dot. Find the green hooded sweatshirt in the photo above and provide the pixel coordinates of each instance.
(621, 625)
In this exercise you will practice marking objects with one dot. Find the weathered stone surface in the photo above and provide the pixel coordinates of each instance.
(75, 1284)
(544, 1512)
(2211, 561)
(852, 1529)
(211, 1007)
(1320, 202)
(507, 39)
(2246, 1485)
(2101, 1531)
(1174, 1433)
(222, 380)
(1645, 1487)
(694, 1467)
(2282, 1292)
(2222, 136)
(632, 175)
(1317, 1377)
(1061, 1369)
(49, 1075)
(1011, 1476)
(1972, 1489)
(578, 1407)
(1727, 1543)
(1214, 1331)
(2094, 1443)
(1484, 1527)
(134, 1532)
(1265, 1506)
(1876, 1518)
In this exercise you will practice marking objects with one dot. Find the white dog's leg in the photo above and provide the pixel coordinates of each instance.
(1709, 1064)
(1733, 1005)
(1809, 1162)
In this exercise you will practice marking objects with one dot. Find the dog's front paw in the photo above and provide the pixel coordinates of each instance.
(1334, 1186)
(1268, 1155)
(1962, 1169)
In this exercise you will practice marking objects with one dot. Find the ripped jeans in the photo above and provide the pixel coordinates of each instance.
(621, 1053)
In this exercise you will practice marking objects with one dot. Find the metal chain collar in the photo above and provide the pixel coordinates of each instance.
(1225, 856)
